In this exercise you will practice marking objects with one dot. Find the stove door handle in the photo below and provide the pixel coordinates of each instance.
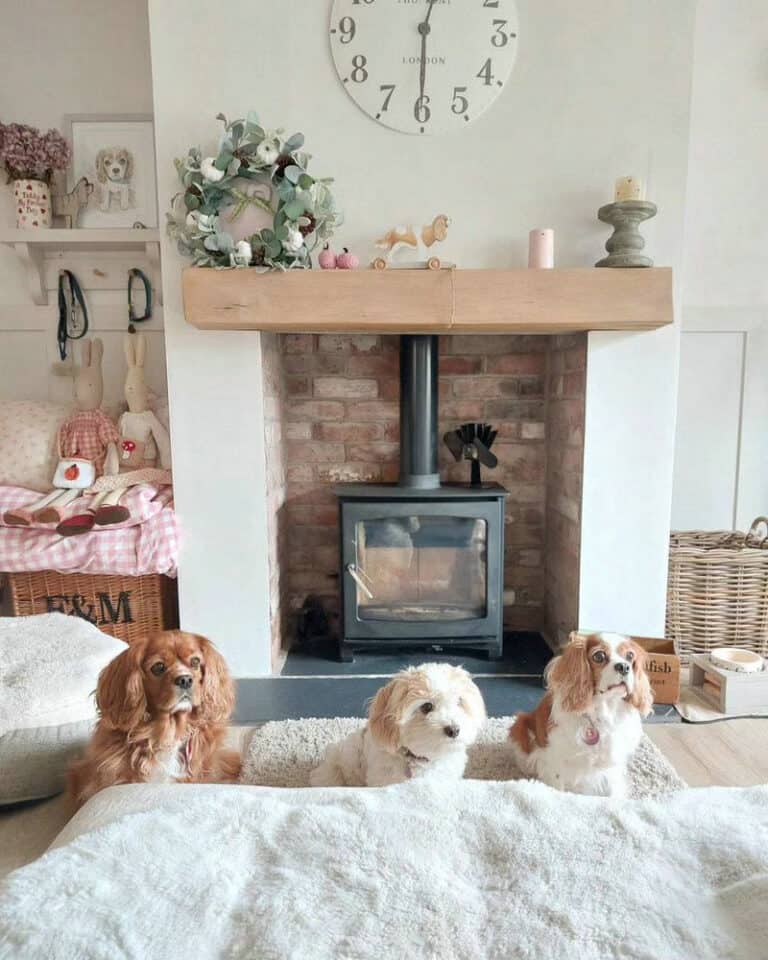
(353, 572)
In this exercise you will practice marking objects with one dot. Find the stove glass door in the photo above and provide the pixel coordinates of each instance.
(421, 568)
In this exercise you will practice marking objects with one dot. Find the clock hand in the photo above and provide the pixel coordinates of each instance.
(424, 29)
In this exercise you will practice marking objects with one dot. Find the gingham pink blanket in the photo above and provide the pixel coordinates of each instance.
(148, 542)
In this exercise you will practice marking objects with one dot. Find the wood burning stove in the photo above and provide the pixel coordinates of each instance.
(422, 563)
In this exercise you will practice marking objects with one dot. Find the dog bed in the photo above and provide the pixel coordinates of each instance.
(49, 665)
(282, 754)
(445, 871)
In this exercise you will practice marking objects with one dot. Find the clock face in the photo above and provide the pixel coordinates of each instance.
(424, 66)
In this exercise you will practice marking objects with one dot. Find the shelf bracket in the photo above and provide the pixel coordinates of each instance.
(152, 253)
(32, 258)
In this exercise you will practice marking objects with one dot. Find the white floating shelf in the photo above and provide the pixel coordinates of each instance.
(32, 246)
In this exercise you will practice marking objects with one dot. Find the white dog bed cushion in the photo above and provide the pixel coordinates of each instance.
(49, 665)
(282, 754)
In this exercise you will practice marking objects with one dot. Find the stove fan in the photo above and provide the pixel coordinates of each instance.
(473, 442)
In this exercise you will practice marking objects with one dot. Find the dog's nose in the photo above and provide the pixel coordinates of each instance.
(451, 731)
(184, 681)
(622, 668)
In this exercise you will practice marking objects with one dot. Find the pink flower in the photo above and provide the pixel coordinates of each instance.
(28, 154)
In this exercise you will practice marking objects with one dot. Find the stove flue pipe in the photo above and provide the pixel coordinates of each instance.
(418, 411)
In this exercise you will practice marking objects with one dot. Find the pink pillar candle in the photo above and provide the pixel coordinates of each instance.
(541, 248)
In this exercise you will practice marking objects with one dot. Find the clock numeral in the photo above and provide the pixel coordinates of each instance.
(493, 4)
(348, 28)
(484, 73)
(390, 87)
(360, 74)
(500, 38)
(421, 110)
(460, 103)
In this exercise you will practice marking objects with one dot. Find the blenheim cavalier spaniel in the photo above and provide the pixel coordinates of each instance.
(163, 708)
(584, 731)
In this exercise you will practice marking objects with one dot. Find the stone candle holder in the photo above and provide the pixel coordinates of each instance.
(625, 245)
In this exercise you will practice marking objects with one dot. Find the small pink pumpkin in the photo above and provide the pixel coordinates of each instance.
(347, 261)
(327, 259)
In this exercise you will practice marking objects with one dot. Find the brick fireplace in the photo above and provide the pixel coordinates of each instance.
(331, 416)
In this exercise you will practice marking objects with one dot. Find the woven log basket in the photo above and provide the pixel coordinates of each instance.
(717, 592)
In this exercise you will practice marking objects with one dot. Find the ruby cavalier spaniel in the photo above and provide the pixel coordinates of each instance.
(163, 709)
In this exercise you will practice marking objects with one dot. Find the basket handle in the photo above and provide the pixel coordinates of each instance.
(752, 533)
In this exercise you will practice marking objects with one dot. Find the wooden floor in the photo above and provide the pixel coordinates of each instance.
(729, 753)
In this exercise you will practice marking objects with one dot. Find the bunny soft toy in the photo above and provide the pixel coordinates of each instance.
(143, 437)
(143, 440)
(86, 439)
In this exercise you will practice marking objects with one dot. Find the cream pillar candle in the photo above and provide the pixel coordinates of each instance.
(629, 188)
(541, 248)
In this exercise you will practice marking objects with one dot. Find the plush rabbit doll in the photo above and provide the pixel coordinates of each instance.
(86, 439)
(143, 439)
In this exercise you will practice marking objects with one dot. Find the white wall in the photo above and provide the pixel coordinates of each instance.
(721, 457)
(599, 90)
(69, 56)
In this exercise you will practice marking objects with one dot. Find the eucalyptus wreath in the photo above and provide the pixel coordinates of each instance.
(254, 166)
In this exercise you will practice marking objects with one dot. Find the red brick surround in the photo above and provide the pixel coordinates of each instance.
(340, 422)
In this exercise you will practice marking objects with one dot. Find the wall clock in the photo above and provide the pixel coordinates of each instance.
(424, 66)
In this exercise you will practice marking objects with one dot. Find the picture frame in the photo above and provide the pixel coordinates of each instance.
(116, 152)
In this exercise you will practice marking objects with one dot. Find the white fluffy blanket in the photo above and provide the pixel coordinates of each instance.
(469, 871)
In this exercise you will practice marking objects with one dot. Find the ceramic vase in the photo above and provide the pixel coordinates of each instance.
(33, 204)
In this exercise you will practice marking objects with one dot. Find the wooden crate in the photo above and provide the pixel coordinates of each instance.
(124, 607)
(663, 668)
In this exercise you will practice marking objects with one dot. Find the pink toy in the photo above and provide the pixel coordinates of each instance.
(87, 435)
(347, 261)
(327, 259)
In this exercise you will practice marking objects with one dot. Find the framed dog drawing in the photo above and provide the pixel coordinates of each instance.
(117, 154)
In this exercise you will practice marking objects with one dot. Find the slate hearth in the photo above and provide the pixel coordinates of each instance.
(314, 683)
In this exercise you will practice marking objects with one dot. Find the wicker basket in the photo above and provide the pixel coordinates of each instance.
(124, 607)
(717, 593)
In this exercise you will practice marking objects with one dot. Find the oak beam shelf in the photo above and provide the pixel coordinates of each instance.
(33, 247)
(428, 301)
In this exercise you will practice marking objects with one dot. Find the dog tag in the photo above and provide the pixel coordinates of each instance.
(591, 735)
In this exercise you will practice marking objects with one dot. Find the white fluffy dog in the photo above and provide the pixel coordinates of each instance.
(584, 731)
(114, 169)
(419, 725)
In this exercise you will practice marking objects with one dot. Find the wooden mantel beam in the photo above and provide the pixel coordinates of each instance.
(428, 301)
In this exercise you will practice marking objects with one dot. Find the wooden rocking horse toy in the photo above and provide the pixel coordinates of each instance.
(419, 241)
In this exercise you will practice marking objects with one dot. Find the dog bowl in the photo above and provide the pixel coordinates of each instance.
(736, 659)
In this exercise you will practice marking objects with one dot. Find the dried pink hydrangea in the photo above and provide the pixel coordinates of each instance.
(28, 154)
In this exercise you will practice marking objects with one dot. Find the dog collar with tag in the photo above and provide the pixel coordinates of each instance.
(412, 761)
(590, 734)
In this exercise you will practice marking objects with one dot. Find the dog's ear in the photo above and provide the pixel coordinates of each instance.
(474, 705)
(218, 700)
(642, 695)
(384, 714)
(120, 697)
(570, 676)
(100, 172)
(128, 164)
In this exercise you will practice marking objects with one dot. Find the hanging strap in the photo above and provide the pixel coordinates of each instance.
(135, 274)
(68, 322)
